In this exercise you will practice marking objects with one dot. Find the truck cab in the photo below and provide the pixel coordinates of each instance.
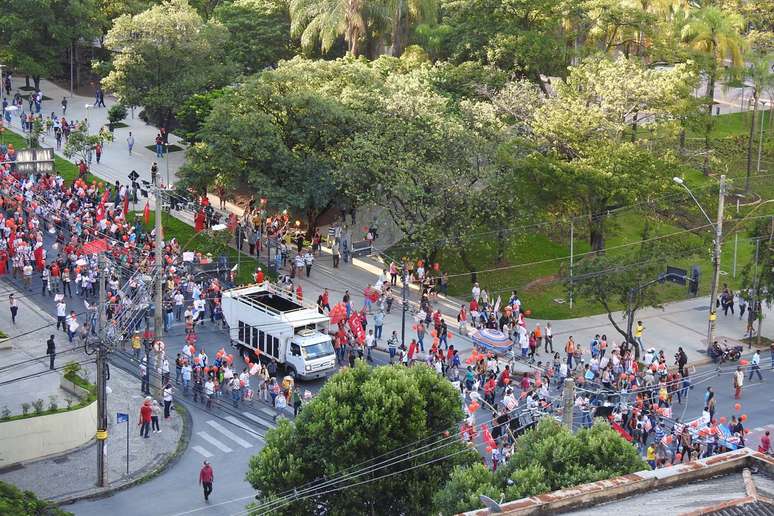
(268, 322)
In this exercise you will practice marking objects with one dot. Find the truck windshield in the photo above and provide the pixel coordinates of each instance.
(318, 350)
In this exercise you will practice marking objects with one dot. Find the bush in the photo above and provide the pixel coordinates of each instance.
(25, 408)
(116, 113)
(37, 405)
(71, 368)
(5, 413)
(25, 503)
(53, 406)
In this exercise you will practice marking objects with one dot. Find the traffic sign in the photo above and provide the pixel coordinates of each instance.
(122, 418)
(133, 175)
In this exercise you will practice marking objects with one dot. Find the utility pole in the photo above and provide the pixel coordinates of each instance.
(568, 399)
(404, 295)
(158, 320)
(102, 479)
(572, 249)
(713, 315)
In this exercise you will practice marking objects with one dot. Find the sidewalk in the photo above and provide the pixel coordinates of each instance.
(116, 163)
(44, 477)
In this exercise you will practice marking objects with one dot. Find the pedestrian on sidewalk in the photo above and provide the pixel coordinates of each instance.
(130, 142)
(379, 325)
(738, 382)
(308, 261)
(144, 383)
(144, 420)
(61, 315)
(155, 413)
(98, 151)
(51, 351)
(392, 345)
(15, 311)
(755, 365)
(206, 477)
(167, 399)
(335, 254)
(64, 105)
(638, 335)
(154, 173)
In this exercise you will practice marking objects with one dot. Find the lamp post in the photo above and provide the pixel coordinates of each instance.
(167, 156)
(760, 140)
(718, 227)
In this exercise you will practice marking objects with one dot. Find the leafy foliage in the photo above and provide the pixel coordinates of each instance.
(547, 458)
(163, 55)
(359, 415)
(25, 503)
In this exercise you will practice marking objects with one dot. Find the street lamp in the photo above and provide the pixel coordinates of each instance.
(718, 227)
(760, 140)
(167, 149)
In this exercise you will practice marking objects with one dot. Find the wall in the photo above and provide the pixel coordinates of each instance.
(36, 437)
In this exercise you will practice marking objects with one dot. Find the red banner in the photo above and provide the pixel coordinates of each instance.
(96, 246)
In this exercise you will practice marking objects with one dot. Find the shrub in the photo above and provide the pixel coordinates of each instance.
(5, 413)
(53, 406)
(37, 405)
(25, 408)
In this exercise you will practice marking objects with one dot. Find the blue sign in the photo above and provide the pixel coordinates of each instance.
(121, 417)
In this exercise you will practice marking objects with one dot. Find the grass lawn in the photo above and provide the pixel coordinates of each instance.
(121, 125)
(536, 261)
(66, 169)
(172, 148)
(205, 242)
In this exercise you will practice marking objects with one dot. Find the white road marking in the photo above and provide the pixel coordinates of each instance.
(759, 429)
(271, 413)
(244, 426)
(219, 445)
(228, 433)
(202, 451)
(259, 420)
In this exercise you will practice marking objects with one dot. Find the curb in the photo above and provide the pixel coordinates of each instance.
(149, 472)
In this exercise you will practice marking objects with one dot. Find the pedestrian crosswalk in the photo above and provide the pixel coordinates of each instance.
(229, 432)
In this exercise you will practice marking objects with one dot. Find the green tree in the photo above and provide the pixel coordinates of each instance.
(322, 22)
(361, 417)
(757, 73)
(259, 32)
(193, 113)
(163, 55)
(276, 139)
(36, 32)
(715, 35)
(25, 503)
(547, 458)
(80, 143)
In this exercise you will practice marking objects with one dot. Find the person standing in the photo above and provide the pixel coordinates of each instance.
(130, 142)
(335, 254)
(638, 335)
(755, 365)
(167, 400)
(206, 477)
(159, 147)
(51, 351)
(738, 383)
(154, 173)
(549, 338)
(155, 413)
(98, 151)
(61, 315)
(145, 418)
(308, 261)
(64, 105)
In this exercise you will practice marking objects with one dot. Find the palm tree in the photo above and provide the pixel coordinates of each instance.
(759, 76)
(715, 34)
(324, 21)
(405, 13)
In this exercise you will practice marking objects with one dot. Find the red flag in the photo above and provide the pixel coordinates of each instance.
(96, 246)
(146, 213)
(126, 207)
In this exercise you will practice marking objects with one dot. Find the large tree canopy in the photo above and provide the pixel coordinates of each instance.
(362, 414)
(35, 34)
(163, 55)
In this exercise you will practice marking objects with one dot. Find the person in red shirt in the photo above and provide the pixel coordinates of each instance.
(412, 350)
(259, 276)
(489, 390)
(206, 477)
(765, 445)
(145, 418)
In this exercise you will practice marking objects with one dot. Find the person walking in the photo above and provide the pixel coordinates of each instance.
(144, 420)
(206, 477)
(64, 105)
(738, 382)
(638, 335)
(755, 365)
(14, 308)
(51, 351)
(130, 142)
(549, 338)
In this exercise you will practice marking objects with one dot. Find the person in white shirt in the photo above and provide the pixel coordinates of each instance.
(476, 292)
(179, 298)
(167, 400)
(209, 391)
(370, 342)
(61, 315)
(72, 326)
(755, 365)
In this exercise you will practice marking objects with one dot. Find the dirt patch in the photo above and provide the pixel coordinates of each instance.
(540, 282)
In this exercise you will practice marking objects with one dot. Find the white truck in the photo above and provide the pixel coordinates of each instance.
(266, 321)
